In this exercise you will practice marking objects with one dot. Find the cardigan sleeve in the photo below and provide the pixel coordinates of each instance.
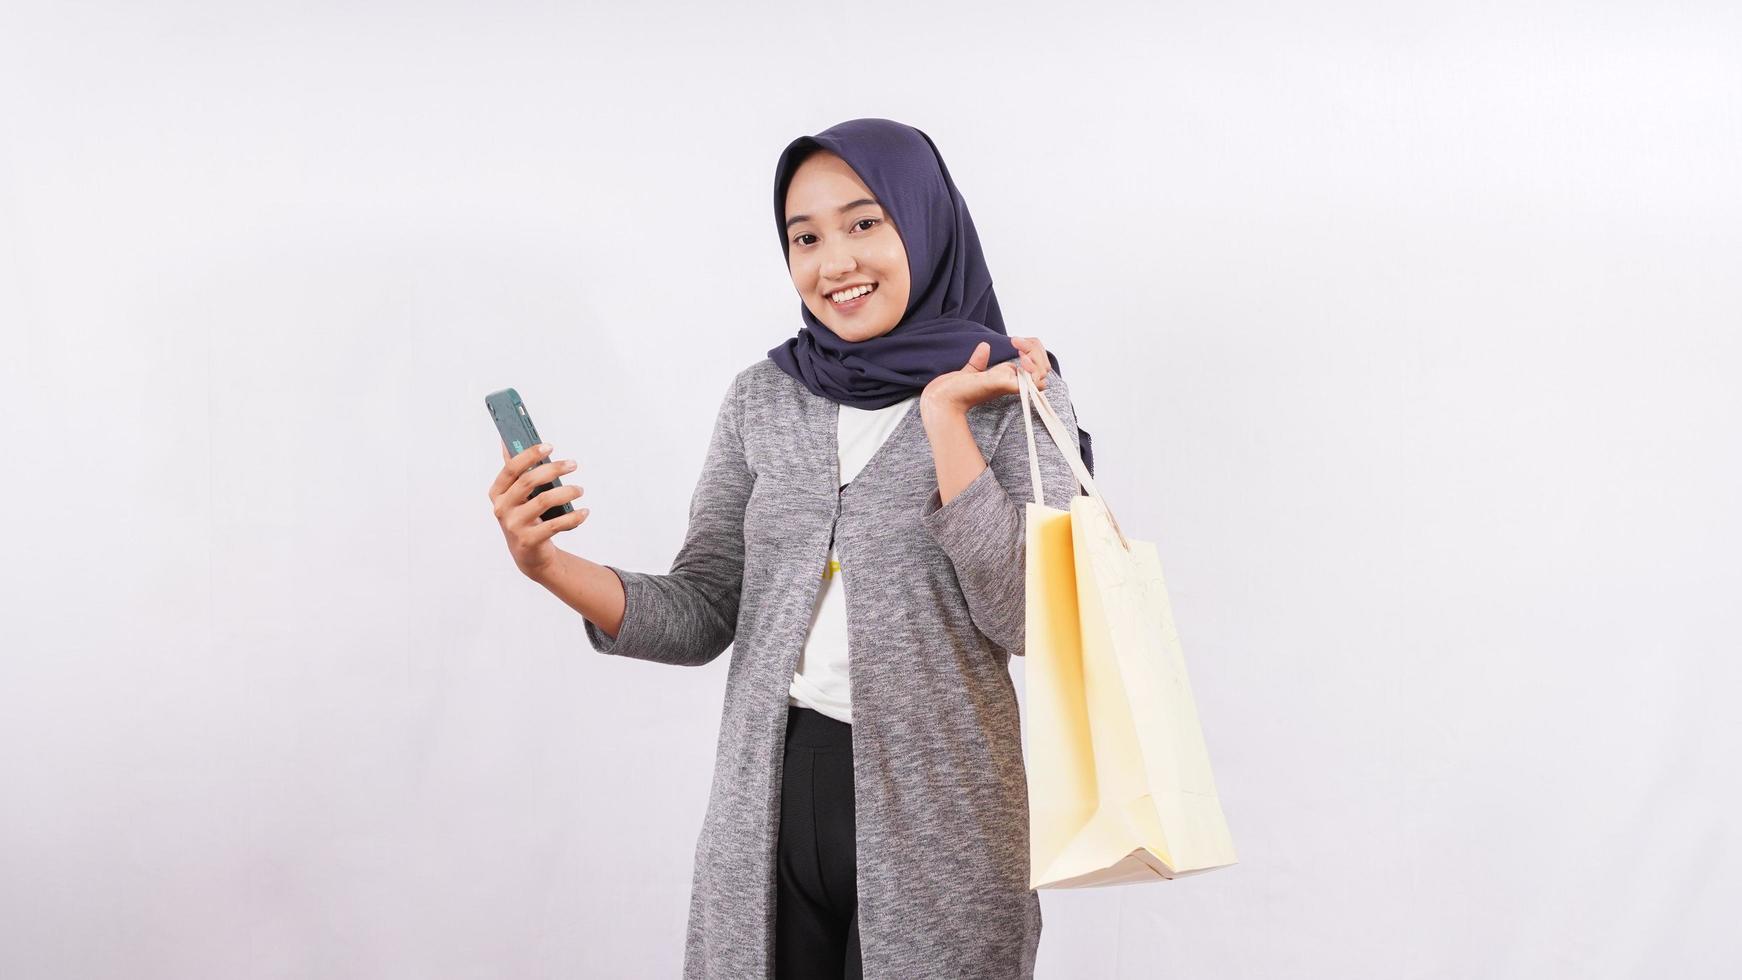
(983, 528)
(689, 615)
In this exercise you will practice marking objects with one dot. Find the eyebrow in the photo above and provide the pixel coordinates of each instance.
(795, 219)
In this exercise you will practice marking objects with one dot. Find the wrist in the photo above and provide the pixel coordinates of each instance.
(542, 571)
(936, 408)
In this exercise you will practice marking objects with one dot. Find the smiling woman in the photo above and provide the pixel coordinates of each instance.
(845, 255)
(870, 202)
(857, 539)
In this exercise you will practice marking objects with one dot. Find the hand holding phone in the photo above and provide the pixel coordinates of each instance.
(527, 496)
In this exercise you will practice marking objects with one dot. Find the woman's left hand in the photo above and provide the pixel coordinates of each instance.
(973, 384)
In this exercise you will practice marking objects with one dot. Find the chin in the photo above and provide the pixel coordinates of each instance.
(862, 334)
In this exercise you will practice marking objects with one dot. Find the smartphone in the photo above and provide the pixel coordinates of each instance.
(517, 431)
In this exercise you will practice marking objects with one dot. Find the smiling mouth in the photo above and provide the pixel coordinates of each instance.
(855, 299)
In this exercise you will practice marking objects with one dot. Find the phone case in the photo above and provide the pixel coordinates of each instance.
(517, 431)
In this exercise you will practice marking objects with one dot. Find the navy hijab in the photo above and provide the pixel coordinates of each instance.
(951, 307)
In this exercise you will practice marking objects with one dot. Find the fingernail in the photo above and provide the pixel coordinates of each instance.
(543, 448)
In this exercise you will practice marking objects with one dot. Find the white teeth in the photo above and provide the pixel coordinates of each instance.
(849, 294)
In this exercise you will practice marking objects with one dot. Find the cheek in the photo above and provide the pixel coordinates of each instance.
(897, 282)
(894, 264)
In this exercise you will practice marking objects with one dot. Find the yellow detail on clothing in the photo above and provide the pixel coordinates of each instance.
(832, 569)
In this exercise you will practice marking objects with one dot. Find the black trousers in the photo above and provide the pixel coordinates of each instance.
(816, 931)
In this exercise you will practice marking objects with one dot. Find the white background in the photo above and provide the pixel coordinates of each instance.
(1410, 333)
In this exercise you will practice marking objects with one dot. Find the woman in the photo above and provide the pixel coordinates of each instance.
(863, 492)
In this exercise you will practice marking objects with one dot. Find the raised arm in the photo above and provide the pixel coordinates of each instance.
(983, 527)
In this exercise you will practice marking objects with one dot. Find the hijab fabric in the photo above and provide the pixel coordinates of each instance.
(951, 306)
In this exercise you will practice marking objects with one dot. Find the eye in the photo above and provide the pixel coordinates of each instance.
(799, 239)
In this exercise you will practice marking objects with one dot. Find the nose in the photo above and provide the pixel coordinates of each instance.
(838, 262)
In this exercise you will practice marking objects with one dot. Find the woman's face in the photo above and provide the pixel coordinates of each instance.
(839, 237)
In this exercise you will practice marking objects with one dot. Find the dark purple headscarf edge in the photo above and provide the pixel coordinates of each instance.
(951, 305)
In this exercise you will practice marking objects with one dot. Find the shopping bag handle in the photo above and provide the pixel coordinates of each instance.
(1055, 427)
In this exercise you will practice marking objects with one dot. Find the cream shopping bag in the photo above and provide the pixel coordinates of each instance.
(1119, 782)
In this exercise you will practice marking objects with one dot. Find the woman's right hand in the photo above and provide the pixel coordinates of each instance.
(529, 538)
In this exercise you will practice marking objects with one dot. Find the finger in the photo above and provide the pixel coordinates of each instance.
(513, 466)
(979, 357)
(529, 457)
(554, 497)
(545, 529)
(492, 492)
(1039, 376)
(982, 354)
(541, 474)
(515, 472)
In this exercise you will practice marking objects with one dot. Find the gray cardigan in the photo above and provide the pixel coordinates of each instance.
(934, 611)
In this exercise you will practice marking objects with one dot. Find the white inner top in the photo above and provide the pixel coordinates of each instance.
(821, 681)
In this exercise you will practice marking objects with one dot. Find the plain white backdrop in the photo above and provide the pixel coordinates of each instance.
(1410, 333)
